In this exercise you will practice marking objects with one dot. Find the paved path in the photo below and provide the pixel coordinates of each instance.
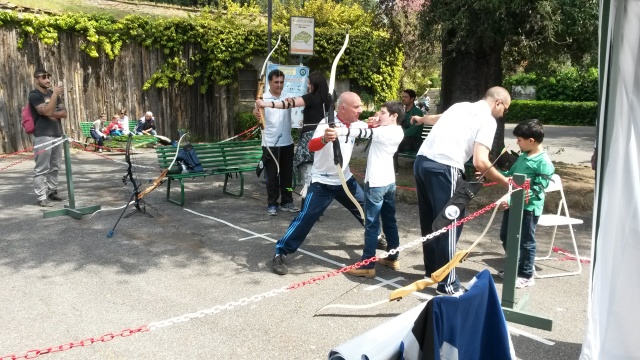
(63, 280)
(567, 144)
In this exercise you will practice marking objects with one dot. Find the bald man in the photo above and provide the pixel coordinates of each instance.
(325, 181)
(464, 130)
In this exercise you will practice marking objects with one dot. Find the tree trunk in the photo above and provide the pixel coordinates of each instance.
(468, 74)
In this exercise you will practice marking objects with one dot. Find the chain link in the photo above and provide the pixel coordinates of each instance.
(32, 354)
(216, 309)
(59, 141)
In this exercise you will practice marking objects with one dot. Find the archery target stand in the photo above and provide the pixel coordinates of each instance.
(70, 210)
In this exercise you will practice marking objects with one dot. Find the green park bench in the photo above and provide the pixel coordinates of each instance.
(426, 129)
(221, 158)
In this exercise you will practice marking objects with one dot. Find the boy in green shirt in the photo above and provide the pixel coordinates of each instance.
(536, 165)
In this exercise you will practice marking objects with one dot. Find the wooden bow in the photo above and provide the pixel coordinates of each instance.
(337, 153)
(160, 179)
(262, 82)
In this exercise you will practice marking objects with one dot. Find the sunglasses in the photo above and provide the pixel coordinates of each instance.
(44, 76)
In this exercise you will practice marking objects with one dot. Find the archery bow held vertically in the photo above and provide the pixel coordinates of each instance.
(262, 81)
(337, 153)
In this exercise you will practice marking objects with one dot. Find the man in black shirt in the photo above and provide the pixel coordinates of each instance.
(47, 109)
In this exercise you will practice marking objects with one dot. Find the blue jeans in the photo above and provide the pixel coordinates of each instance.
(527, 241)
(319, 196)
(379, 205)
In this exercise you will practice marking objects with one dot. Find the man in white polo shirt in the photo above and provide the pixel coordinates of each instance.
(464, 130)
(277, 147)
(325, 181)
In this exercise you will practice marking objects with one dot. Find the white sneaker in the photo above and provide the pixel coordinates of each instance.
(523, 283)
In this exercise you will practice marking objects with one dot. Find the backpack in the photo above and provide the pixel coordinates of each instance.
(27, 119)
(187, 161)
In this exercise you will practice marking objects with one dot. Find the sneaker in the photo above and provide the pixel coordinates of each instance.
(289, 207)
(501, 274)
(393, 264)
(279, 267)
(368, 273)
(382, 242)
(524, 282)
(272, 210)
(54, 196)
(99, 150)
(457, 293)
(44, 203)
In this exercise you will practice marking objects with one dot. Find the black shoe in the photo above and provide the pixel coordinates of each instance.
(44, 203)
(279, 267)
(54, 196)
(382, 243)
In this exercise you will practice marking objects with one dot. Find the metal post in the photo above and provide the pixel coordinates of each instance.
(70, 210)
(513, 311)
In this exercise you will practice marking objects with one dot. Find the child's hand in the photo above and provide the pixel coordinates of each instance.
(503, 205)
(373, 121)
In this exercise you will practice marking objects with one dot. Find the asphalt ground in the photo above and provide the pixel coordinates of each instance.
(63, 280)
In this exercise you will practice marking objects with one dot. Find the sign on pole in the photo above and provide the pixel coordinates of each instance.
(302, 33)
(295, 84)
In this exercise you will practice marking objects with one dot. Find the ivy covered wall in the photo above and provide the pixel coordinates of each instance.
(186, 68)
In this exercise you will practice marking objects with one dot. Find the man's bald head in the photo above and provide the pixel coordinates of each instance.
(498, 93)
(499, 100)
(349, 107)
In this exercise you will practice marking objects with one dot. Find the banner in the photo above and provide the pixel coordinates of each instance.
(295, 84)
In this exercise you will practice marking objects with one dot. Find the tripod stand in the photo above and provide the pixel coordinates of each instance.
(140, 206)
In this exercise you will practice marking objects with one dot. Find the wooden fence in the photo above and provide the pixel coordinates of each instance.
(96, 85)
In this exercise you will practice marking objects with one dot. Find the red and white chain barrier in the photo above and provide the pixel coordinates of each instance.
(252, 299)
(55, 142)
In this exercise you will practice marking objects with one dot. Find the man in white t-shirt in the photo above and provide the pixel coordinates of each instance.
(325, 180)
(464, 130)
(277, 137)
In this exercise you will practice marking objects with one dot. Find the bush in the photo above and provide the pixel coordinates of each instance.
(568, 85)
(553, 112)
(245, 120)
(366, 114)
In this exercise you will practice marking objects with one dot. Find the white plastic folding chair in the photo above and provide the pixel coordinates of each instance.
(555, 220)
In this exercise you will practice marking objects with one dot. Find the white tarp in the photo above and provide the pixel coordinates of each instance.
(614, 318)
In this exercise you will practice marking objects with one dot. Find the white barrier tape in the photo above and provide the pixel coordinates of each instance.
(49, 142)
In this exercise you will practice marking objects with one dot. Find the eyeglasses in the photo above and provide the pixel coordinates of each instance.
(44, 76)
(506, 108)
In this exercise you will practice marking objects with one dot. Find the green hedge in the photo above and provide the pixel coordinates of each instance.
(553, 112)
(570, 84)
(366, 114)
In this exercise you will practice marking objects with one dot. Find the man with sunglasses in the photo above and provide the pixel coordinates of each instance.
(464, 130)
(48, 110)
